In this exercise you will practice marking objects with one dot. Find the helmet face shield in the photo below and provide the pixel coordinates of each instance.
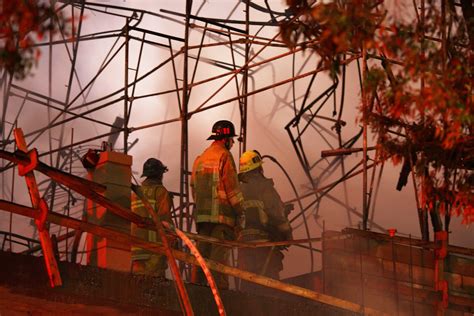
(250, 160)
(222, 129)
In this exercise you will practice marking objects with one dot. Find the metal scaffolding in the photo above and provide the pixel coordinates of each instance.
(228, 82)
(203, 63)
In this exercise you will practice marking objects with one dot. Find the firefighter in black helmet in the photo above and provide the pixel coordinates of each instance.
(143, 261)
(216, 192)
(223, 130)
(153, 168)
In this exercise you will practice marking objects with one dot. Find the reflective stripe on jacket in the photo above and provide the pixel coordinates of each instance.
(160, 200)
(264, 211)
(215, 186)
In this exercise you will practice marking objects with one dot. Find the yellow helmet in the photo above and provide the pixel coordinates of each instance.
(249, 161)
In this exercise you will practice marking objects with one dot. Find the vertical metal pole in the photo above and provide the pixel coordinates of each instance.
(69, 193)
(68, 95)
(175, 75)
(6, 91)
(441, 285)
(444, 64)
(245, 78)
(422, 40)
(374, 200)
(52, 184)
(50, 89)
(395, 280)
(426, 228)
(242, 107)
(419, 207)
(411, 277)
(339, 138)
(364, 139)
(423, 214)
(440, 237)
(323, 253)
(11, 199)
(362, 303)
(7, 83)
(125, 101)
(184, 187)
(73, 65)
(443, 36)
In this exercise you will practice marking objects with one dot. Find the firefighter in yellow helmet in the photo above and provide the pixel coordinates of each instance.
(216, 192)
(143, 261)
(265, 220)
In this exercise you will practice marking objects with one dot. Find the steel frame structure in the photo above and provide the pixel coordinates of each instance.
(72, 108)
(242, 39)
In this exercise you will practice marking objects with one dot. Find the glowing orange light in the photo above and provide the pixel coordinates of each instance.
(392, 231)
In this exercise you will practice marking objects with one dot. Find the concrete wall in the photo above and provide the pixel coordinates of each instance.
(393, 277)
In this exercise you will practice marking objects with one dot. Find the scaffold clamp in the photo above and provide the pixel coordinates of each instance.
(24, 169)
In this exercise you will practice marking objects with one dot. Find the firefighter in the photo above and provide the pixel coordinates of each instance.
(216, 192)
(265, 220)
(143, 261)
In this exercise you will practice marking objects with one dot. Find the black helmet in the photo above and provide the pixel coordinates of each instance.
(222, 129)
(153, 168)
